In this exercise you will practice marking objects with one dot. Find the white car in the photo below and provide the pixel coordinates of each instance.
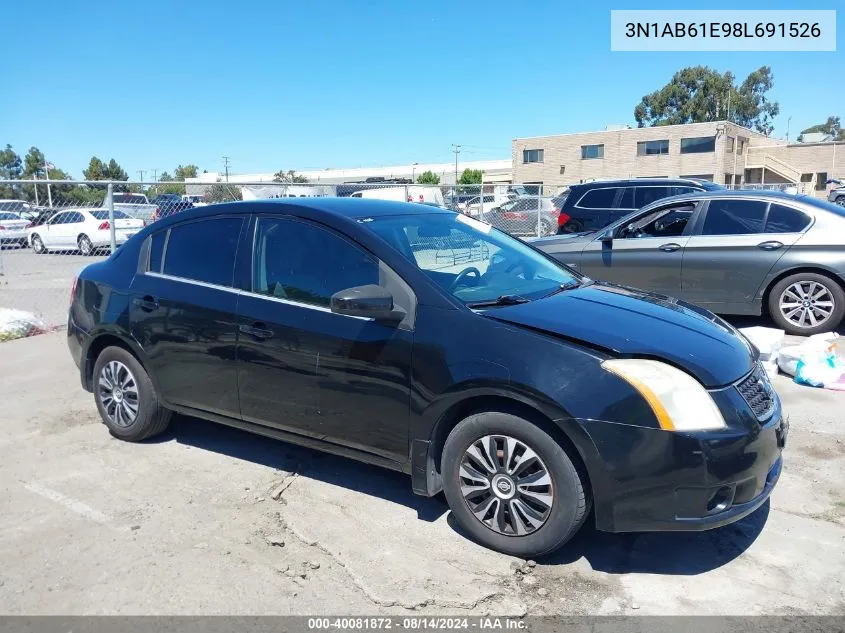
(84, 230)
(12, 228)
(197, 201)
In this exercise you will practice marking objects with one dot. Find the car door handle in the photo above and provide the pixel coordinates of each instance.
(771, 245)
(258, 330)
(147, 304)
(671, 247)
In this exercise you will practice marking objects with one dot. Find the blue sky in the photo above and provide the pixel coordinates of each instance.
(301, 85)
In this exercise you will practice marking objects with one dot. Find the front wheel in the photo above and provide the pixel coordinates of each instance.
(806, 304)
(37, 244)
(125, 397)
(511, 486)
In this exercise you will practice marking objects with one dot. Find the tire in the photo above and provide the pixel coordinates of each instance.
(803, 287)
(572, 226)
(566, 495)
(546, 227)
(37, 244)
(116, 366)
(85, 245)
(840, 201)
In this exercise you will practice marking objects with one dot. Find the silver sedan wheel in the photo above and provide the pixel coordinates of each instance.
(118, 393)
(807, 304)
(506, 485)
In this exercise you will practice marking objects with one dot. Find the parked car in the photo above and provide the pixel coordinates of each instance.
(21, 207)
(731, 252)
(196, 200)
(85, 230)
(477, 206)
(407, 193)
(12, 228)
(837, 194)
(527, 215)
(464, 357)
(169, 203)
(37, 215)
(593, 205)
(136, 205)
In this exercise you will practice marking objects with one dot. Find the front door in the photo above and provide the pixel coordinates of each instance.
(51, 231)
(182, 313)
(303, 368)
(726, 262)
(646, 253)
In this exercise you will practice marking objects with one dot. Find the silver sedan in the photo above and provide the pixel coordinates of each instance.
(731, 252)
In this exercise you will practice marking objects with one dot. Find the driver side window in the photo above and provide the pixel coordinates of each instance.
(666, 222)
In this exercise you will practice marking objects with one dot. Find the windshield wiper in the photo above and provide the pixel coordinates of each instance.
(569, 285)
(504, 300)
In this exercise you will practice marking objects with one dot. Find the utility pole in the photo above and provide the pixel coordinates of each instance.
(226, 166)
(457, 150)
(787, 128)
(155, 174)
(141, 174)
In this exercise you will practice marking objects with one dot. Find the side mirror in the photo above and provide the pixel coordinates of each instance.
(606, 236)
(369, 301)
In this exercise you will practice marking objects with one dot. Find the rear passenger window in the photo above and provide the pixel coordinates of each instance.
(286, 266)
(204, 251)
(785, 220)
(734, 217)
(599, 198)
(156, 251)
(647, 195)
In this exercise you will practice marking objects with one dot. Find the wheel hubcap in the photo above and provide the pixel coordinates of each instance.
(118, 393)
(506, 485)
(807, 304)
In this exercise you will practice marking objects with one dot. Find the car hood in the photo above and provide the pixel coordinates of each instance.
(630, 322)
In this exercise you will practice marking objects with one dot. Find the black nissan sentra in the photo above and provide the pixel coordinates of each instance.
(425, 341)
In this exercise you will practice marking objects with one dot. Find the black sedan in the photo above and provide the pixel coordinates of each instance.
(427, 342)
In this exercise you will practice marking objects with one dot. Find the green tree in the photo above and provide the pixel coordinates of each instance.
(221, 192)
(471, 177)
(832, 126)
(698, 94)
(96, 170)
(183, 172)
(11, 168)
(157, 190)
(289, 176)
(428, 177)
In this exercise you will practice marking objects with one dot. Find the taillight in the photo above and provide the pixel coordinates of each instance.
(104, 226)
(421, 198)
(2, 228)
(30, 225)
(72, 289)
(562, 219)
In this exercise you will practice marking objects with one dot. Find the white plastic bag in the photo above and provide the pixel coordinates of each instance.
(767, 340)
(18, 324)
(788, 357)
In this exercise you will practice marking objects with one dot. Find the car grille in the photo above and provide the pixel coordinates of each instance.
(757, 391)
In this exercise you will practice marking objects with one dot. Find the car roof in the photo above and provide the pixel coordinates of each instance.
(633, 182)
(349, 208)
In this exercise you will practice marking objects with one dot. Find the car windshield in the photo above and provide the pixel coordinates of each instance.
(471, 260)
(130, 199)
(13, 205)
(104, 215)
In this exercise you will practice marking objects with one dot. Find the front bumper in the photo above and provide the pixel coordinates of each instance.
(650, 479)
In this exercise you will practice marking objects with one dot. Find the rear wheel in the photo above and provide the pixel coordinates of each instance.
(546, 227)
(807, 303)
(125, 397)
(572, 226)
(37, 244)
(511, 486)
(85, 245)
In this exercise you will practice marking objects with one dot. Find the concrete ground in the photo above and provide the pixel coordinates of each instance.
(209, 520)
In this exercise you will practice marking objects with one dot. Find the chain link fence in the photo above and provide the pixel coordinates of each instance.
(49, 233)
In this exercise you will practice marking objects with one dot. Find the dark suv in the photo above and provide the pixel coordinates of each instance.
(593, 205)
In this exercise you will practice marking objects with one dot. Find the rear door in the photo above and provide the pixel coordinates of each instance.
(73, 226)
(646, 253)
(592, 211)
(734, 247)
(182, 313)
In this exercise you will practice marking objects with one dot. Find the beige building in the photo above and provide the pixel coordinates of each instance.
(719, 151)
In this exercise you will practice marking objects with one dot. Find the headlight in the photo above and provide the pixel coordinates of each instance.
(678, 400)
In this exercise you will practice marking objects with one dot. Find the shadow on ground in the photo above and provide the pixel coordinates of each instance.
(674, 553)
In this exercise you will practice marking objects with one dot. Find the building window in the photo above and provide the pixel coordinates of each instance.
(821, 179)
(806, 177)
(729, 144)
(729, 179)
(532, 155)
(653, 148)
(740, 147)
(592, 151)
(698, 145)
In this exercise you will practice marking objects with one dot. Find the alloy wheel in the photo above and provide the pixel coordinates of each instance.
(118, 393)
(807, 304)
(506, 485)
(37, 244)
(85, 245)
